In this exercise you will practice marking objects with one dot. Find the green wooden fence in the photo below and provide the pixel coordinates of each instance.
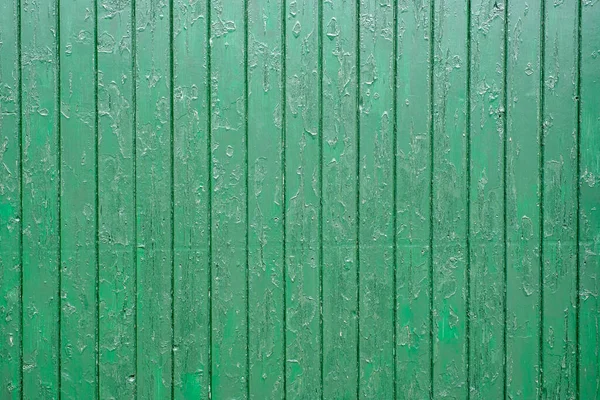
(267, 199)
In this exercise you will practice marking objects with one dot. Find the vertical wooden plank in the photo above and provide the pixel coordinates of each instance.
(450, 199)
(414, 121)
(560, 200)
(302, 185)
(265, 199)
(376, 202)
(589, 203)
(154, 202)
(523, 200)
(486, 230)
(191, 180)
(78, 199)
(229, 199)
(41, 199)
(116, 200)
(10, 201)
(340, 202)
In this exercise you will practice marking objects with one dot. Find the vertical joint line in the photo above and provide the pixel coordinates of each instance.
(431, 175)
(246, 156)
(59, 196)
(394, 193)
(358, 294)
(578, 207)
(134, 181)
(21, 158)
(468, 219)
(321, 137)
(97, 198)
(541, 189)
(284, 188)
(504, 195)
(172, 156)
(209, 185)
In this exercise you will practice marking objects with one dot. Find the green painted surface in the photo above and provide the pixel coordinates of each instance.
(299, 199)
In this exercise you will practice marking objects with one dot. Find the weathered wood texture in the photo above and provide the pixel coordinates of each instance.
(302, 199)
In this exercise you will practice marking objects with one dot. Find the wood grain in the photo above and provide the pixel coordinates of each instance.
(303, 214)
(41, 215)
(523, 196)
(11, 229)
(340, 196)
(191, 186)
(413, 199)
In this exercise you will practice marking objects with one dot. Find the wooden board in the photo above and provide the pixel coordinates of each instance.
(413, 199)
(487, 230)
(588, 92)
(523, 193)
(10, 202)
(78, 206)
(191, 187)
(340, 198)
(303, 211)
(41, 182)
(450, 193)
(154, 202)
(559, 201)
(229, 204)
(117, 200)
(266, 220)
(376, 199)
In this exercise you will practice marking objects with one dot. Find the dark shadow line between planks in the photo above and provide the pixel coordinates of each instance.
(97, 198)
(431, 176)
(209, 185)
(59, 195)
(321, 137)
(468, 206)
(578, 208)
(541, 178)
(504, 200)
(21, 222)
(357, 222)
(284, 189)
(172, 168)
(246, 150)
(134, 78)
(395, 194)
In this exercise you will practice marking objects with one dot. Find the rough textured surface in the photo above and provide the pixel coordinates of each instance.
(523, 190)
(304, 199)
